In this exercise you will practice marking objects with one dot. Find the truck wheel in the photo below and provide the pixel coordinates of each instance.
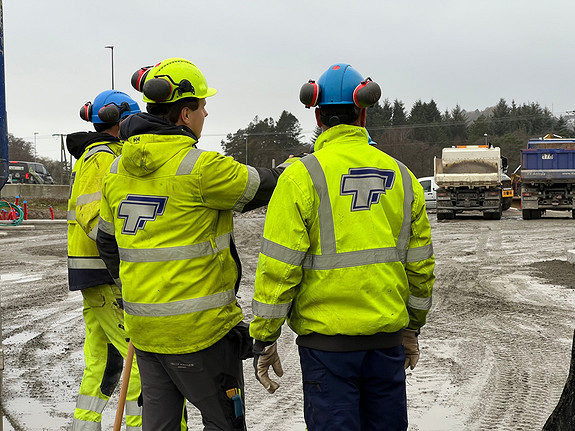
(450, 215)
(497, 215)
(573, 213)
(441, 216)
(526, 214)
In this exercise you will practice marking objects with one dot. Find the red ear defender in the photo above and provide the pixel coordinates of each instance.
(139, 77)
(309, 94)
(367, 93)
(86, 112)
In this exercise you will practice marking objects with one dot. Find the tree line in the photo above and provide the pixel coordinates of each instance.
(413, 136)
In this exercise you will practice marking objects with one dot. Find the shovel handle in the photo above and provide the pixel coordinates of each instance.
(124, 388)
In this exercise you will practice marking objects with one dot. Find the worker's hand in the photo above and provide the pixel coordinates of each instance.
(264, 357)
(411, 346)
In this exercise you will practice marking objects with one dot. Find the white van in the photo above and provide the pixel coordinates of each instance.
(429, 187)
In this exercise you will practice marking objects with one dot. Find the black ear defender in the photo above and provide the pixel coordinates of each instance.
(86, 112)
(112, 113)
(139, 77)
(161, 89)
(367, 93)
(309, 93)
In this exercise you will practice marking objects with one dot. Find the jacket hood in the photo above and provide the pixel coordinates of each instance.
(79, 141)
(150, 142)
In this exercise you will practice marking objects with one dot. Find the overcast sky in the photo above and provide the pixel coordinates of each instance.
(258, 53)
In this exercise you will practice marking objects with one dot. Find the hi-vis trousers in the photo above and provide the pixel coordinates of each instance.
(105, 347)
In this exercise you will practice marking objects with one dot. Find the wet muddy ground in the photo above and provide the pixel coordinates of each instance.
(495, 353)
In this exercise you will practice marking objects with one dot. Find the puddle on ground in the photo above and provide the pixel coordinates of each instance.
(20, 278)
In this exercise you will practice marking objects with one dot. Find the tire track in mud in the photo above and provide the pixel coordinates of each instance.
(503, 327)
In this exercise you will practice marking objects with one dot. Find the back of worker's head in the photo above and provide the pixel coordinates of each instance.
(340, 94)
(171, 85)
(108, 109)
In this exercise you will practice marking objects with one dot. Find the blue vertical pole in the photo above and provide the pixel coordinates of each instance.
(3, 120)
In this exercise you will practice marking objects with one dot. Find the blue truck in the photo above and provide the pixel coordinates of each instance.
(547, 176)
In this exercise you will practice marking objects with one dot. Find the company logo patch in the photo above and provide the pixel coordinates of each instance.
(136, 210)
(366, 185)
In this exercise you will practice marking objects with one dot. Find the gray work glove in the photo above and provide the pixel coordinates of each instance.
(264, 357)
(411, 347)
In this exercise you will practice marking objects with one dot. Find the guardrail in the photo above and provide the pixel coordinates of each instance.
(35, 191)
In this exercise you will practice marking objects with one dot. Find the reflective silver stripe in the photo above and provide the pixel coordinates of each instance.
(79, 425)
(185, 306)
(251, 189)
(99, 149)
(282, 253)
(88, 198)
(71, 215)
(118, 282)
(417, 254)
(132, 409)
(93, 233)
(106, 226)
(418, 303)
(182, 252)
(327, 229)
(405, 232)
(93, 404)
(129, 428)
(270, 311)
(86, 263)
(189, 161)
(114, 165)
(351, 258)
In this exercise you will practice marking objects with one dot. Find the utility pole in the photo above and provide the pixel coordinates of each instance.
(35, 133)
(246, 136)
(63, 159)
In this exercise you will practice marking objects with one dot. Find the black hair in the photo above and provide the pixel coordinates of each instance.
(102, 127)
(171, 111)
(332, 115)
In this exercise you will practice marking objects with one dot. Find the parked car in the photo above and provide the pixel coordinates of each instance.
(28, 173)
(429, 187)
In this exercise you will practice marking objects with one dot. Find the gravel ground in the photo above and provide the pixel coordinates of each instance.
(495, 351)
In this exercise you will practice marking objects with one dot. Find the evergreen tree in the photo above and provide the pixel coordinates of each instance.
(399, 117)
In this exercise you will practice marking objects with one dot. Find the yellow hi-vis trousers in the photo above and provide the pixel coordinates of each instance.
(105, 348)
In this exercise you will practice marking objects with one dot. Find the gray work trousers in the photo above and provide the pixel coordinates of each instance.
(207, 379)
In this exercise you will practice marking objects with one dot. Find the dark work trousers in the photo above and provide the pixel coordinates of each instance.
(202, 378)
(354, 391)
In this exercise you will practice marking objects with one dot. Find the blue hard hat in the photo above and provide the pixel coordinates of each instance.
(116, 104)
(338, 84)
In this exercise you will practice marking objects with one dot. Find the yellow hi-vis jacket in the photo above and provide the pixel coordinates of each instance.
(169, 206)
(347, 244)
(85, 268)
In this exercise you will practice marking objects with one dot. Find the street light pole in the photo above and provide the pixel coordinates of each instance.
(35, 133)
(111, 48)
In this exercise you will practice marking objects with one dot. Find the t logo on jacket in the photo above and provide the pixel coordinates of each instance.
(366, 185)
(136, 210)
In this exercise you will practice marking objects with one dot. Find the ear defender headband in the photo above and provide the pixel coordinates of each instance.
(162, 90)
(367, 93)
